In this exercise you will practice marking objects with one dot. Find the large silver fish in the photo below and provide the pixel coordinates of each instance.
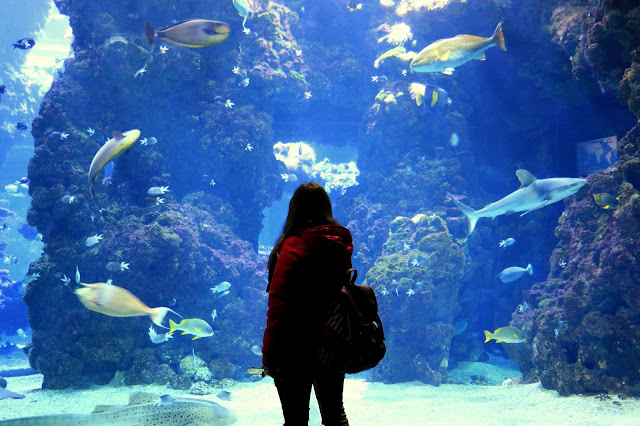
(143, 409)
(191, 33)
(446, 54)
(533, 194)
(109, 151)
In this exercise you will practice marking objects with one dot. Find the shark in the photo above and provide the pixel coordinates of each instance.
(533, 194)
(144, 408)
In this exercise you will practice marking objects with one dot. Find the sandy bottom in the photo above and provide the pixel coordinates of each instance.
(366, 403)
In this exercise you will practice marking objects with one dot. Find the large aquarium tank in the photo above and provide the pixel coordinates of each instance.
(484, 154)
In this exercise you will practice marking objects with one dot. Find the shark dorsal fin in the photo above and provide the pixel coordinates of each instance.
(525, 177)
(138, 398)
(106, 408)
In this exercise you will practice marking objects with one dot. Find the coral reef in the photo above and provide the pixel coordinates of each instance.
(175, 255)
(583, 327)
(417, 278)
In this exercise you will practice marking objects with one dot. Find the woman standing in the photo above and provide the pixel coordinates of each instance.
(305, 267)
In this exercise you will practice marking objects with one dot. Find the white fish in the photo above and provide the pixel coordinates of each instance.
(29, 278)
(68, 199)
(214, 315)
(92, 241)
(289, 177)
(454, 140)
(158, 190)
(508, 242)
(158, 338)
(523, 307)
(117, 266)
(416, 288)
(257, 350)
(77, 275)
(223, 286)
(140, 72)
(512, 273)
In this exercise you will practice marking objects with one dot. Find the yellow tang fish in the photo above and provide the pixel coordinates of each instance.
(505, 335)
(606, 201)
(109, 151)
(115, 301)
(446, 54)
(191, 33)
(196, 326)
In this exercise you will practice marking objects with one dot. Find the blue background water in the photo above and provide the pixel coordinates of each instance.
(506, 113)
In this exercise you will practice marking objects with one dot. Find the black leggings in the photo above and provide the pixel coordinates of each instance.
(294, 389)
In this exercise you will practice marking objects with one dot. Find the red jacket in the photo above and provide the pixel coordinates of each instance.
(307, 266)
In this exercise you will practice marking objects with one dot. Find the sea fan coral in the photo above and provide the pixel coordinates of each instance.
(397, 33)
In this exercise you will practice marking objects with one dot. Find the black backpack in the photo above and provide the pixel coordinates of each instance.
(351, 337)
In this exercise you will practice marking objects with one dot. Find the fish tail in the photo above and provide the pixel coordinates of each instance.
(487, 335)
(498, 37)
(150, 32)
(469, 213)
(157, 315)
(172, 326)
(529, 269)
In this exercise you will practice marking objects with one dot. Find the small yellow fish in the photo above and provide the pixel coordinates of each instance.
(115, 301)
(446, 54)
(434, 98)
(505, 335)
(191, 33)
(196, 326)
(109, 151)
(606, 201)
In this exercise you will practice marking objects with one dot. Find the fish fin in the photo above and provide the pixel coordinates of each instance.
(434, 98)
(481, 57)
(448, 71)
(498, 341)
(487, 335)
(529, 269)
(183, 333)
(525, 177)
(117, 135)
(197, 337)
(150, 32)
(157, 315)
(418, 99)
(142, 398)
(539, 206)
(444, 56)
(498, 37)
(469, 213)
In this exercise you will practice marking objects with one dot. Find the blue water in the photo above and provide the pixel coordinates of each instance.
(228, 193)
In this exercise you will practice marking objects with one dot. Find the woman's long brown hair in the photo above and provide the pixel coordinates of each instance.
(309, 206)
